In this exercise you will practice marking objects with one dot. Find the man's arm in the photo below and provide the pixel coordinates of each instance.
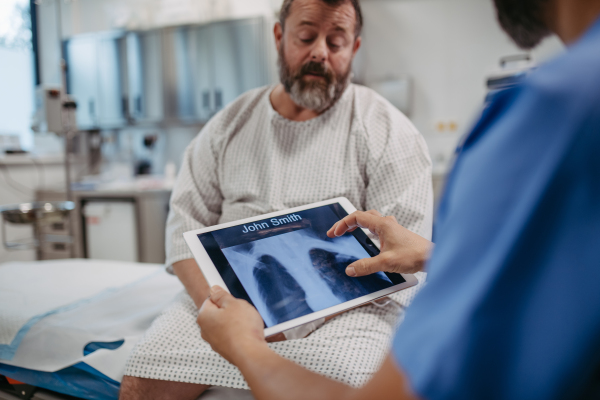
(235, 330)
(195, 203)
(192, 278)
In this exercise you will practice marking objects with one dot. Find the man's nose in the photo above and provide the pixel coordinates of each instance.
(319, 51)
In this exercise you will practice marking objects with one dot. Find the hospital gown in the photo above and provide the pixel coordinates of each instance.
(249, 160)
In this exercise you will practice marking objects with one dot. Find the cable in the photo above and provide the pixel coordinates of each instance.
(6, 254)
(41, 181)
(41, 178)
(14, 184)
(82, 171)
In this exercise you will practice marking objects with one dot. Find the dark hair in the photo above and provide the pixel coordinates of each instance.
(287, 5)
(523, 20)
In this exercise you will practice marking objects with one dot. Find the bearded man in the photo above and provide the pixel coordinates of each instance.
(313, 136)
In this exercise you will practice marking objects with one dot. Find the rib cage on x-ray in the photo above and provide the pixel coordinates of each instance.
(278, 289)
(332, 268)
(296, 273)
(333, 273)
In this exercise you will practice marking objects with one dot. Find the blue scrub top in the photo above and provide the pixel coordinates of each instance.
(512, 307)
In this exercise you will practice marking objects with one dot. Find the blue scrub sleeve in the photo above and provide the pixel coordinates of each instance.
(512, 306)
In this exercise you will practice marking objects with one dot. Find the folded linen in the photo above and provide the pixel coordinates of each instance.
(33, 291)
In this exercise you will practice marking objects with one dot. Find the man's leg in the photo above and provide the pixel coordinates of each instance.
(133, 388)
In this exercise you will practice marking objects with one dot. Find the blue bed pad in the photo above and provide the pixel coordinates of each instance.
(79, 380)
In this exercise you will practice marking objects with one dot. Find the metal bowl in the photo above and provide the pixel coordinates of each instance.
(28, 213)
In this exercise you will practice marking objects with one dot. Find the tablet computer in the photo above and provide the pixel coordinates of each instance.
(284, 264)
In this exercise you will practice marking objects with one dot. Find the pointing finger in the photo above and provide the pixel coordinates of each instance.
(366, 266)
(358, 219)
(346, 224)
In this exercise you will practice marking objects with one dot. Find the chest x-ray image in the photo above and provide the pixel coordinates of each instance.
(296, 273)
(280, 290)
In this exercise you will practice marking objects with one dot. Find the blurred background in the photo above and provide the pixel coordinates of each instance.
(145, 75)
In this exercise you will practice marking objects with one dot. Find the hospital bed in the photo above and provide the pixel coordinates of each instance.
(68, 326)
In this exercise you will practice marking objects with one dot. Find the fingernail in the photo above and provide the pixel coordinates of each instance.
(214, 289)
(350, 271)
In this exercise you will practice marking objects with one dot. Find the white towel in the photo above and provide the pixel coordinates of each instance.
(54, 308)
(30, 290)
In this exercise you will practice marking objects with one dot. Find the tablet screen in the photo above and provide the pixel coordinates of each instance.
(287, 267)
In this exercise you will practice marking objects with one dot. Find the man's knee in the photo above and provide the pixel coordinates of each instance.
(133, 388)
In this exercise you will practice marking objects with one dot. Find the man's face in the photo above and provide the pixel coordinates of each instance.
(316, 51)
(523, 20)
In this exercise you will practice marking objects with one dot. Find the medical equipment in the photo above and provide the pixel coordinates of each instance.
(512, 71)
(141, 233)
(41, 216)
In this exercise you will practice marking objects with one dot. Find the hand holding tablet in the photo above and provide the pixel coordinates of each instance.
(223, 318)
(288, 268)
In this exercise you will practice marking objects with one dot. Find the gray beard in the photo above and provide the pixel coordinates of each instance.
(316, 96)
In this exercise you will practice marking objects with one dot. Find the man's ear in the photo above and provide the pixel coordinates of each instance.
(357, 44)
(278, 33)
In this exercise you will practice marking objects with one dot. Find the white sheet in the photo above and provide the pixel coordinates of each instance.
(33, 289)
(123, 307)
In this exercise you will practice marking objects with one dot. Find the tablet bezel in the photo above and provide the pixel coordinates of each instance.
(213, 277)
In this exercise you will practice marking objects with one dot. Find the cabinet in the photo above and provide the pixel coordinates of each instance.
(95, 65)
(110, 230)
(178, 74)
(144, 90)
(182, 74)
(200, 55)
(228, 59)
(81, 83)
(209, 66)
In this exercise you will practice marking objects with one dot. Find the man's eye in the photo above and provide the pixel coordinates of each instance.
(309, 40)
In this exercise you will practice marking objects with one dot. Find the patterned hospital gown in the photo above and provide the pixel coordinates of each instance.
(249, 160)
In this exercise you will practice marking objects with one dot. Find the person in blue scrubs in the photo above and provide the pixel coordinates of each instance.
(512, 305)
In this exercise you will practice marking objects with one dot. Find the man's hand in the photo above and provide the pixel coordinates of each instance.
(231, 326)
(402, 251)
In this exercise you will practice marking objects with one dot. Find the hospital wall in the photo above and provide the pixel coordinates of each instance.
(447, 48)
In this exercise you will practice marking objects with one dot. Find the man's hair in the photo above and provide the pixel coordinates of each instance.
(287, 6)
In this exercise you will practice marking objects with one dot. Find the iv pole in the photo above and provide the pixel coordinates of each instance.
(67, 121)
(38, 213)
